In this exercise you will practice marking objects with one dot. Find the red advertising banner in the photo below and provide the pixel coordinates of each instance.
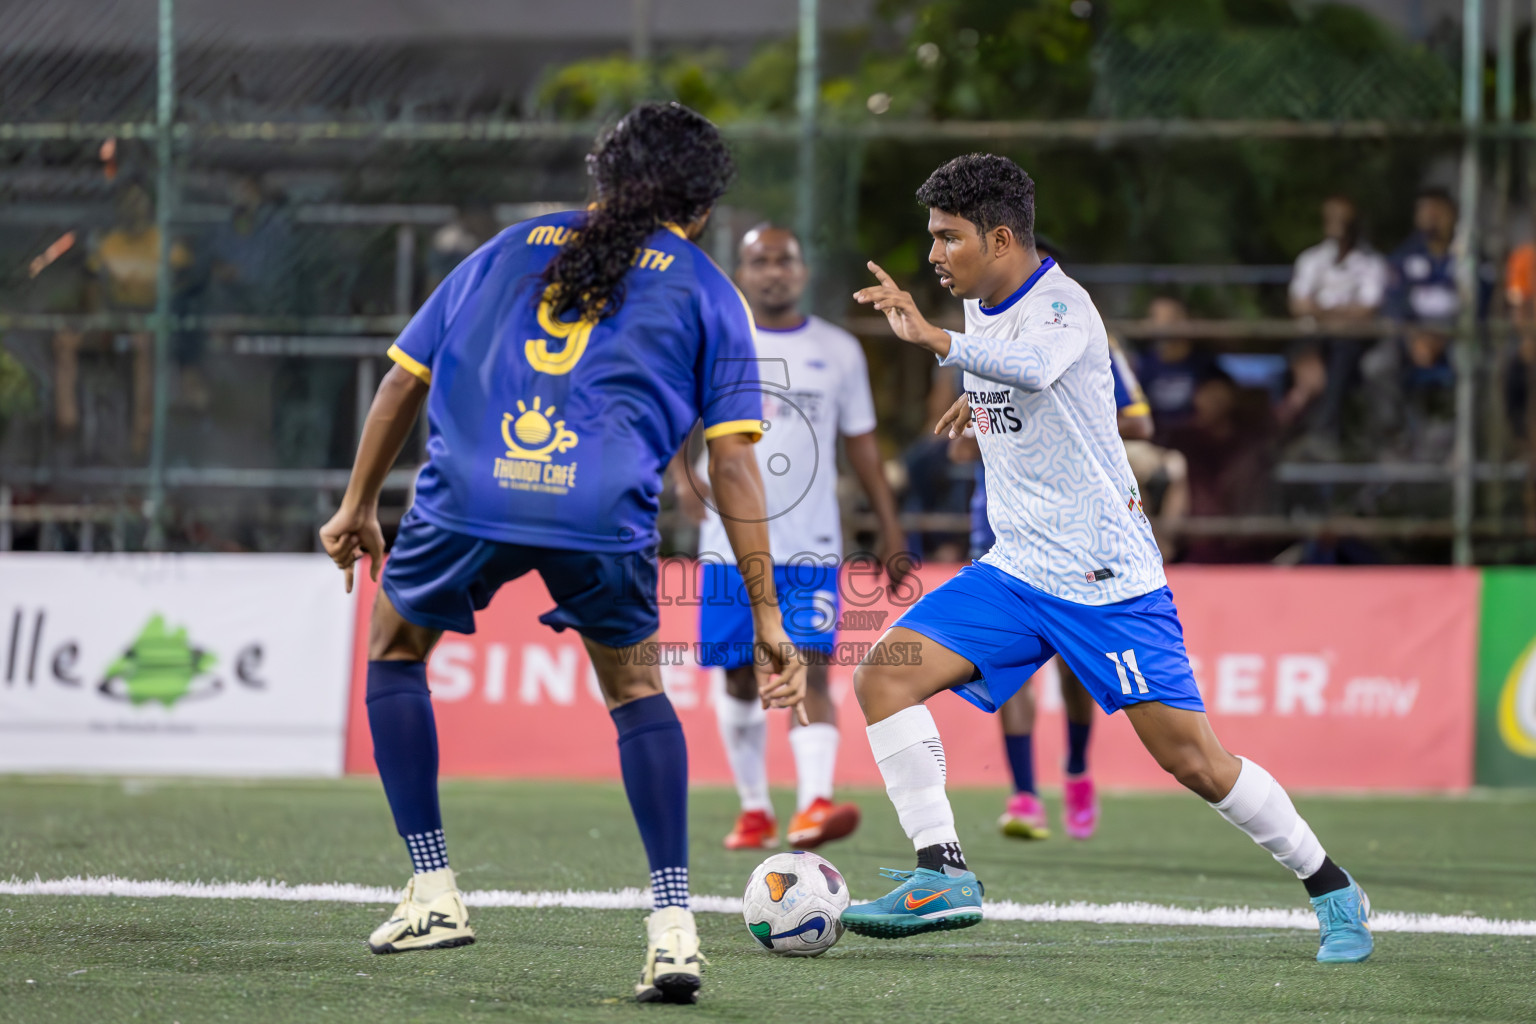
(1358, 678)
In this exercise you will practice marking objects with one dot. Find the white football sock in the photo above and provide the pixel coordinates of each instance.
(911, 758)
(744, 731)
(1260, 807)
(815, 748)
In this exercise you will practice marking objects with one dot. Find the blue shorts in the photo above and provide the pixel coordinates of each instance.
(807, 600)
(1128, 652)
(439, 578)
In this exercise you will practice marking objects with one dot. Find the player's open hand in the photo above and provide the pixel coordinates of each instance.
(779, 670)
(901, 312)
(956, 418)
(352, 533)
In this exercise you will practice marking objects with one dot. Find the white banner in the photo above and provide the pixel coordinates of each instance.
(173, 664)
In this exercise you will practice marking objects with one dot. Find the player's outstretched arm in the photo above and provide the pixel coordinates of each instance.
(738, 490)
(354, 530)
(901, 313)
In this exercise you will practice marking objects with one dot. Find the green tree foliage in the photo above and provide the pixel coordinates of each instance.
(17, 394)
(1162, 201)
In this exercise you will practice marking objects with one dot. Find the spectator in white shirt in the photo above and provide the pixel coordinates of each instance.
(1339, 281)
(1341, 278)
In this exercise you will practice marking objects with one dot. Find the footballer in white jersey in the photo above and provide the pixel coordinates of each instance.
(815, 391)
(1075, 570)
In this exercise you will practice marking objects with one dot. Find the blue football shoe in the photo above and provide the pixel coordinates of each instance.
(925, 901)
(1343, 918)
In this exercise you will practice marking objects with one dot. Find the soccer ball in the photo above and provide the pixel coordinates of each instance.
(794, 904)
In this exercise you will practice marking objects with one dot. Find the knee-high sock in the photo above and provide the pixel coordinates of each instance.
(911, 758)
(1077, 747)
(654, 760)
(1021, 761)
(1260, 807)
(815, 748)
(405, 750)
(744, 732)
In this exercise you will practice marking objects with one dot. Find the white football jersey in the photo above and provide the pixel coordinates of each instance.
(815, 387)
(1060, 495)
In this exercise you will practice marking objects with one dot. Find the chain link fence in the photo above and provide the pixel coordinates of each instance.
(187, 347)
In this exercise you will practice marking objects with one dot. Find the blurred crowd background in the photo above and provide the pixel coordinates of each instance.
(1309, 224)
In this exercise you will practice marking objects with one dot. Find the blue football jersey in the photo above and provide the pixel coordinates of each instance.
(555, 432)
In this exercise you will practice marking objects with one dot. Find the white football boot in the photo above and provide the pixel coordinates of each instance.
(431, 915)
(672, 958)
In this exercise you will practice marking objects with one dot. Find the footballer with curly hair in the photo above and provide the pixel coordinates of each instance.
(561, 366)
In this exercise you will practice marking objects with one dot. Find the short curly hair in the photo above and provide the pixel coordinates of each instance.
(987, 190)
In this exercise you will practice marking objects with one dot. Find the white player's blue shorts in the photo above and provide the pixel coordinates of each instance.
(808, 602)
(1129, 652)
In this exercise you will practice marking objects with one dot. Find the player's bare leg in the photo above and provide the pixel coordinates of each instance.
(1186, 747)
(744, 733)
(654, 761)
(1024, 816)
(902, 671)
(817, 819)
(431, 914)
(1079, 798)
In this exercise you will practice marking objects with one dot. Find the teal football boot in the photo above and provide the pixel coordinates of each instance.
(925, 901)
(1344, 922)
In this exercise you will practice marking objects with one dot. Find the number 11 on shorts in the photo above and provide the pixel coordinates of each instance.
(1128, 663)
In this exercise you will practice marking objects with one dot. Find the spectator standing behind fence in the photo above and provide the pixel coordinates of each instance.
(1520, 361)
(124, 264)
(1423, 297)
(1172, 368)
(1228, 445)
(1339, 282)
(250, 272)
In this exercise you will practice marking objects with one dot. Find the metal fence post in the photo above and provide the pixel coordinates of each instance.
(808, 86)
(165, 112)
(1463, 456)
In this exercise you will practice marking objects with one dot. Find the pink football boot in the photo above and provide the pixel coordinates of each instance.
(1081, 813)
(1024, 818)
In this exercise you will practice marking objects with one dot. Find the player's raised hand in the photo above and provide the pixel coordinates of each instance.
(779, 671)
(901, 312)
(956, 418)
(350, 534)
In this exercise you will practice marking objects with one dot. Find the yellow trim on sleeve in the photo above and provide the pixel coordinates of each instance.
(410, 365)
(1136, 409)
(753, 427)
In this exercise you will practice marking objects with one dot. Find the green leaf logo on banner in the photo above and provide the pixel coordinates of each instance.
(160, 665)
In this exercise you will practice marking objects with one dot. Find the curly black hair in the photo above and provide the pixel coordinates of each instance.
(661, 164)
(987, 190)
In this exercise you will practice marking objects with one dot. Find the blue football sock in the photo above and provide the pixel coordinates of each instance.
(1077, 747)
(654, 759)
(405, 750)
(1021, 760)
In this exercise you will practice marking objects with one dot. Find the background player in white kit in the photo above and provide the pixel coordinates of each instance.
(1075, 569)
(815, 388)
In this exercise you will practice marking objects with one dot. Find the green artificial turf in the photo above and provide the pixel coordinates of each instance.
(95, 959)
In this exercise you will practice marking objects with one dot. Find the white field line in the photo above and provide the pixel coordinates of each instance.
(640, 899)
